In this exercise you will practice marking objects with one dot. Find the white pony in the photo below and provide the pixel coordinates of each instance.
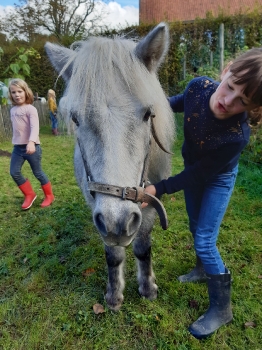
(122, 116)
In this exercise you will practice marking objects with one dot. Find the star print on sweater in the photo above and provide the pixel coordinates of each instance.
(211, 146)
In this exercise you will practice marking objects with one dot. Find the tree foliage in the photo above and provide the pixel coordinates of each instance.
(19, 66)
(62, 18)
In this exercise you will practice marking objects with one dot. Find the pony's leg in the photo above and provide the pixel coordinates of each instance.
(145, 274)
(115, 257)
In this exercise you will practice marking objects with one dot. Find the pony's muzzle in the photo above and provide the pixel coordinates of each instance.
(118, 225)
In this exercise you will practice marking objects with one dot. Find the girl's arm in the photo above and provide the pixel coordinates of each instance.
(202, 170)
(177, 103)
(34, 129)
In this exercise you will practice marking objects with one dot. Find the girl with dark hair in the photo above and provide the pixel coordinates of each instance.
(216, 130)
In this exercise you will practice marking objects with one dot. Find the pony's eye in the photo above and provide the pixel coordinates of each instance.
(75, 120)
(147, 115)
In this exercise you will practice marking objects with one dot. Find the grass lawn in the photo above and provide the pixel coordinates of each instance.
(52, 268)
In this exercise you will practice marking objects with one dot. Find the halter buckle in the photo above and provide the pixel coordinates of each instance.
(124, 193)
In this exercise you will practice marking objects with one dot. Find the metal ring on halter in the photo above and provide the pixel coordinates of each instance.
(124, 193)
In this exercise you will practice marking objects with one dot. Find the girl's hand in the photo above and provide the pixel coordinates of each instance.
(30, 148)
(151, 190)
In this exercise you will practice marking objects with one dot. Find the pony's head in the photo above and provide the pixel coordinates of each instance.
(112, 93)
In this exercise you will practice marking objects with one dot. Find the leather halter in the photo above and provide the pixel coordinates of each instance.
(135, 194)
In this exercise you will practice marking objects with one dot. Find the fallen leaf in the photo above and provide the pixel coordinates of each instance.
(173, 199)
(25, 260)
(250, 324)
(189, 246)
(98, 309)
(260, 276)
(88, 272)
(158, 317)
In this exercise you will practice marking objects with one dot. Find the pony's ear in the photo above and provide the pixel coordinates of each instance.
(151, 50)
(59, 57)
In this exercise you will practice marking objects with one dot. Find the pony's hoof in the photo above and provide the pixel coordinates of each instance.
(114, 303)
(149, 292)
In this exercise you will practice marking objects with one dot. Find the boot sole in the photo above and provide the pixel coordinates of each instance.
(30, 204)
(48, 205)
(204, 336)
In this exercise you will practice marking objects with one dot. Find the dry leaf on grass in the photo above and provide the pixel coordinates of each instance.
(250, 324)
(88, 272)
(98, 309)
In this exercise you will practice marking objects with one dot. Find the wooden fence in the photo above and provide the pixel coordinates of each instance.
(6, 125)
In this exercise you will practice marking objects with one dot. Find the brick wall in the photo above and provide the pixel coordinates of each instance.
(151, 11)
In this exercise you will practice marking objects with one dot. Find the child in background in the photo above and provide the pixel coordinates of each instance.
(216, 130)
(25, 123)
(51, 97)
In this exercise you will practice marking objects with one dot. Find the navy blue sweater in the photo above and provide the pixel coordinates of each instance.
(211, 146)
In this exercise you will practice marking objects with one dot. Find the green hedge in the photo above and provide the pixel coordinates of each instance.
(190, 40)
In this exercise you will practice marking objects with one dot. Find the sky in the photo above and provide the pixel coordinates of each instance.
(120, 12)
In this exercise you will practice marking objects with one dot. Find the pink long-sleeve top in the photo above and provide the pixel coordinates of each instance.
(25, 124)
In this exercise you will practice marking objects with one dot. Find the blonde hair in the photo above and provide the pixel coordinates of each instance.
(51, 93)
(29, 97)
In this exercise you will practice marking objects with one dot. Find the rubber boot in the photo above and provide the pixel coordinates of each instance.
(196, 275)
(219, 312)
(29, 194)
(49, 197)
(55, 132)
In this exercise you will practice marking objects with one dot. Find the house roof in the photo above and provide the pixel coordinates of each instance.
(188, 10)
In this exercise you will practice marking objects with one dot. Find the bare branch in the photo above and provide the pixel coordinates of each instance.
(58, 17)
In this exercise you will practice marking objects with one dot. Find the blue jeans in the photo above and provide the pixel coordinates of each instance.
(18, 158)
(54, 121)
(206, 206)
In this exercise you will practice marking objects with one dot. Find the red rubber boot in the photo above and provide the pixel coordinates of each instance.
(29, 194)
(49, 197)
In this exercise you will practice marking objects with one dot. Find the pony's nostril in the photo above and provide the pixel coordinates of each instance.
(133, 223)
(99, 222)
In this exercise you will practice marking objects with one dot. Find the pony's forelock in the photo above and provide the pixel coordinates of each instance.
(103, 67)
